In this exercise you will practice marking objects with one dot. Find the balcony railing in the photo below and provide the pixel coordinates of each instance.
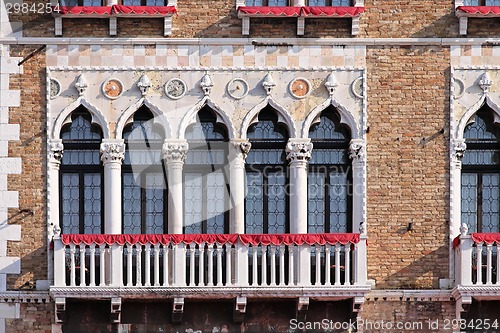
(163, 261)
(477, 260)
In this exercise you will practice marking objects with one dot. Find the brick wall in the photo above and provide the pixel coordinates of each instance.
(407, 159)
(35, 317)
(31, 183)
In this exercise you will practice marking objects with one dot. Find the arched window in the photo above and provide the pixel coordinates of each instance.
(144, 177)
(81, 176)
(266, 202)
(206, 189)
(330, 176)
(481, 174)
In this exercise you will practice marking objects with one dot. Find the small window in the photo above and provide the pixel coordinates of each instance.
(81, 176)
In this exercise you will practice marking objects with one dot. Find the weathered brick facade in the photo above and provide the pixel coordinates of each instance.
(409, 55)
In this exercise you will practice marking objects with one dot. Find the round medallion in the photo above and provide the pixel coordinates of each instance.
(237, 88)
(458, 88)
(300, 88)
(175, 88)
(112, 88)
(54, 88)
(357, 87)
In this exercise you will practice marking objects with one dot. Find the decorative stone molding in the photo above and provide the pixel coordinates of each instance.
(112, 151)
(268, 84)
(175, 152)
(144, 84)
(464, 229)
(485, 82)
(239, 152)
(459, 148)
(206, 84)
(81, 84)
(357, 150)
(331, 84)
(56, 150)
(298, 151)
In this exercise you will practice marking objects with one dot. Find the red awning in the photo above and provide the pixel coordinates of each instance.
(149, 10)
(264, 239)
(85, 10)
(287, 11)
(487, 238)
(481, 10)
(332, 11)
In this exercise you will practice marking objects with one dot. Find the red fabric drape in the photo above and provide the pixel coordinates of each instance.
(487, 238)
(265, 239)
(150, 10)
(483, 10)
(332, 11)
(288, 11)
(86, 10)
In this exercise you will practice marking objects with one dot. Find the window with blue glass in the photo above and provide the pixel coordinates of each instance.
(206, 178)
(330, 176)
(481, 2)
(266, 201)
(70, 3)
(481, 174)
(144, 177)
(81, 176)
(122, 2)
(261, 3)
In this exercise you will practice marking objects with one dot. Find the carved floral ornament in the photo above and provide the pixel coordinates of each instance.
(112, 152)
(298, 151)
(175, 151)
(56, 150)
(485, 82)
(357, 149)
(459, 148)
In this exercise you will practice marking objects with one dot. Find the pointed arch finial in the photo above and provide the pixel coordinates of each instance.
(144, 84)
(331, 83)
(81, 84)
(268, 83)
(485, 82)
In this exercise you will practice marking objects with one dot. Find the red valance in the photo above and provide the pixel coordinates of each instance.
(487, 238)
(292, 11)
(253, 239)
(150, 10)
(482, 10)
(287, 11)
(117, 9)
(332, 11)
(85, 10)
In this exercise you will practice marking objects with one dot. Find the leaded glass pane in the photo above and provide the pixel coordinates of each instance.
(329, 128)
(81, 157)
(193, 205)
(216, 198)
(70, 194)
(490, 207)
(318, 2)
(482, 129)
(213, 156)
(472, 2)
(481, 157)
(154, 193)
(254, 3)
(131, 205)
(276, 202)
(316, 202)
(92, 203)
(266, 156)
(341, 2)
(469, 200)
(338, 188)
(69, 3)
(492, 2)
(81, 128)
(266, 130)
(254, 203)
(329, 156)
(278, 3)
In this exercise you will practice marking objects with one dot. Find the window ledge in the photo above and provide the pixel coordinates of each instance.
(301, 13)
(114, 11)
(464, 12)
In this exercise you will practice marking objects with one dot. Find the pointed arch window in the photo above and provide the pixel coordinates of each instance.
(481, 174)
(144, 177)
(266, 202)
(330, 176)
(81, 176)
(206, 179)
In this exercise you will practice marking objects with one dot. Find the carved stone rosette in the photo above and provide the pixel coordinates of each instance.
(357, 150)
(56, 150)
(112, 152)
(175, 152)
(298, 151)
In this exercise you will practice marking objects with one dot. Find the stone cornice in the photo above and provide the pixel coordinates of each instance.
(430, 295)
(24, 297)
(491, 292)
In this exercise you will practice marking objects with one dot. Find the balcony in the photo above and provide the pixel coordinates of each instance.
(200, 266)
(476, 267)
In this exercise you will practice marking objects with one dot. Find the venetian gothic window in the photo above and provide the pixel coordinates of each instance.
(81, 176)
(144, 177)
(266, 202)
(206, 178)
(481, 174)
(330, 176)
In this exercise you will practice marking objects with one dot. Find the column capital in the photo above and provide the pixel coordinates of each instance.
(112, 150)
(298, 150)
(56, 150)
(459, 148)
(238, 152)
(357, 150)
(175, 151)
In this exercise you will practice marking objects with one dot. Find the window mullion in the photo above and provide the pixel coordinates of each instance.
(81, 201)
(479, 202)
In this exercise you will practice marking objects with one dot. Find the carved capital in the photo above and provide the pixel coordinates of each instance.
(298, 151)
(459, 148)
(175, 151)
(112, 151)
(55, 154)
(357, 150)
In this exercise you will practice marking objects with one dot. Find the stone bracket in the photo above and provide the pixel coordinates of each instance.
(357, 303)
(60, 309)
(177, 310)
(462, 304)
(116, 310)
(302, 307)
(240, 309)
